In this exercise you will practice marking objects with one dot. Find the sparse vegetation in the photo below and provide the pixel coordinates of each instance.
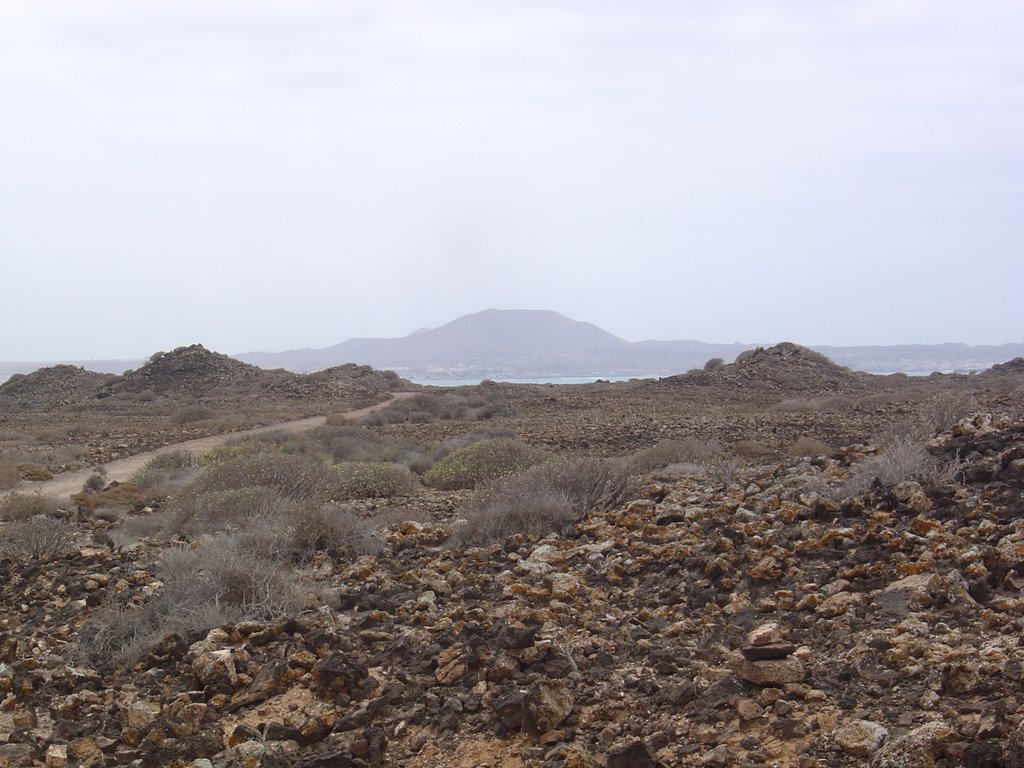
(373, 479)
(192, 413)
(479, 462)
(10, 475)
(483, 403)
(22, 506)
(543, 499)
(808, 446)
(901, 458)
(36, 537)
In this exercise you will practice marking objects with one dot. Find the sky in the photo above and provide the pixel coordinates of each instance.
(274, 174)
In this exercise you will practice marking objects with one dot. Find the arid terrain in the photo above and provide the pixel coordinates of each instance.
(774, 562)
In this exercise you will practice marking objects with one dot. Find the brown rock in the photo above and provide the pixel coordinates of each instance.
(547, 704)
(766, 634)
(769, 671)
(452, 664)
(917, 749)
(860, 738)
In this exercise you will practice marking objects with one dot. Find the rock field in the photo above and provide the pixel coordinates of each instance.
(762, 619)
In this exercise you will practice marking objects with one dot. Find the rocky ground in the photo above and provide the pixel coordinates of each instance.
(65, 418)
(768, 617)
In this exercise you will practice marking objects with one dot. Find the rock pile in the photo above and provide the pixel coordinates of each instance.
(56, 383)
(190, 370)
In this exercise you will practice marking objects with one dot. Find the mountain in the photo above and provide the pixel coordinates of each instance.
(492, 341)
(539, 343)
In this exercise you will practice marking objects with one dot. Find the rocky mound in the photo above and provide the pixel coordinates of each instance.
(58, 382)
(765, 625)
(349, 382)
(1013, 367)
(193, 370)
(785, 367)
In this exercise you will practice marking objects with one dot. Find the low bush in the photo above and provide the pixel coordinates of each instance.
(901, 458)
(124, 496)
(10, 475)
(165, 470)
(37, 537)
(239, 449)
(192, 413)
(373, 480)
(544, 498)
(215, 511)
(808, 446)
(205, 587)
(22, 506)
(478, 405)
(293, 476)
(750, 448)
(330, 528)
(668, 452)
(479, 462)
(34, 472)
(945, 409)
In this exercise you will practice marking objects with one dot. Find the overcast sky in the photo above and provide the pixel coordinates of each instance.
(265, 175)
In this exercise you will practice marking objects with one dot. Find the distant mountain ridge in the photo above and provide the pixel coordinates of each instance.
(541, 343)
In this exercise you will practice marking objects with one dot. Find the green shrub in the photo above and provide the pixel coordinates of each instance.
(373, 480)
(544, 498)
(234, 450)
(476, 463)
(477, 405)
(294, 477)
(22, 506)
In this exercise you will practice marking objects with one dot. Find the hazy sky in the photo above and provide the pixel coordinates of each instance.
(275, 174)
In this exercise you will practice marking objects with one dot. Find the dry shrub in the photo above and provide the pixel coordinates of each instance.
(808, 446)
(669, 452)
(480, 462)
(205, 587)
(22, 506)
(945, 409)
(722, 467)
(750, 448)
(118, 496)
(191, 414)
(165, 470)
(543, 499)
(207, 512)
(34, 473)
(333, 529)
(902, 458)
(37, 537)
(814, 405)
(10, 475)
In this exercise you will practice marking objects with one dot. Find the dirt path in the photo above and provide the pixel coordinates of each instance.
(120, 470)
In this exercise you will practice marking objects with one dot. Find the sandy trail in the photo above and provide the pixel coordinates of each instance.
(67, 483)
